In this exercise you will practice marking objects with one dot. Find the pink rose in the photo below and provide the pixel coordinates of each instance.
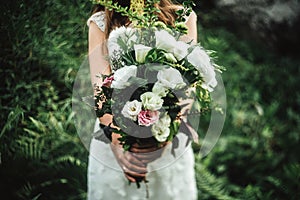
(107, 81)
(148, 117)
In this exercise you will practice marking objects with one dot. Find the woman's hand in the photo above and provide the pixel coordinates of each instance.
(134, 162)
(147, 152)
(133, 168)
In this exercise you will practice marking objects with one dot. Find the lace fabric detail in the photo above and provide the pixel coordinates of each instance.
(99, 19)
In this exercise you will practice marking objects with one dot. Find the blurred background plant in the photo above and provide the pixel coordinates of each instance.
(43, 44)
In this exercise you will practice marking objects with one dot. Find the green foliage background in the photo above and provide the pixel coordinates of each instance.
(41, 157)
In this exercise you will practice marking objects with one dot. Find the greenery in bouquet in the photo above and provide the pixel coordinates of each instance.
(153, 72)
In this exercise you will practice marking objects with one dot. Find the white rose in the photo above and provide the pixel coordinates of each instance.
(167, 42)
(126, 34)
(181, 50)
(122, 75)
(159, 89)
(170, 78)
(151, 101)
(118, 32)
(199, 58)
(112, 43)
(132, 109)
(140, 52)
(161, 130)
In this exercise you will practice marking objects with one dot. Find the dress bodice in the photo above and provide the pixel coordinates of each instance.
(99, 19)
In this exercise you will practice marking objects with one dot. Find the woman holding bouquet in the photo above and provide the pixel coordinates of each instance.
(168, 178)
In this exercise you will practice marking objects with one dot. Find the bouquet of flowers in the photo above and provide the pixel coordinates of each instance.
(154, 72)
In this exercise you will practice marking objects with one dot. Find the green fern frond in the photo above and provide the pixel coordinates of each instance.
(210, 185)
(31, 145)
(12, 119)
(27, 192)
(68, 159)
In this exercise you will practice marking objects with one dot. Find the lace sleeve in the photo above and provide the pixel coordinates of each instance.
(99, 19)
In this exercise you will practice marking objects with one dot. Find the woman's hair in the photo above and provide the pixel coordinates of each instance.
(114, 19)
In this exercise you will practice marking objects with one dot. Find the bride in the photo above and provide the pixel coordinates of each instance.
(111, 169)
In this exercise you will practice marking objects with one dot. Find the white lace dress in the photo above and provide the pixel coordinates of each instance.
(170, 178)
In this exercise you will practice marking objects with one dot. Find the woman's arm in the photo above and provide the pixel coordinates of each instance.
(99, 65)
(97, 53)
(97, 60)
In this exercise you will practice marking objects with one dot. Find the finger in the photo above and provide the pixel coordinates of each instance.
(135, 174)
(143, 146)
(131, 179)
(133, 160)
(145, 150)
(128, 167)
(124, 159)
(148, 157)
(146, 160)
(142, 156)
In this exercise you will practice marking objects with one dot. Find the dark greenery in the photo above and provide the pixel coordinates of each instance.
(257, 154)
(42, 45)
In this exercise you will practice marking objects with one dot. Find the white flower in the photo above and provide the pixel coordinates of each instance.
(125, 34)
(132, 109)
(199, 58)
(181, 50)
(122, 75)
(140, 52)
(170, 78)
(159, 89)
(160, 132)
(160, 129)
(151, 101)
(118, 32)
(167, 42)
